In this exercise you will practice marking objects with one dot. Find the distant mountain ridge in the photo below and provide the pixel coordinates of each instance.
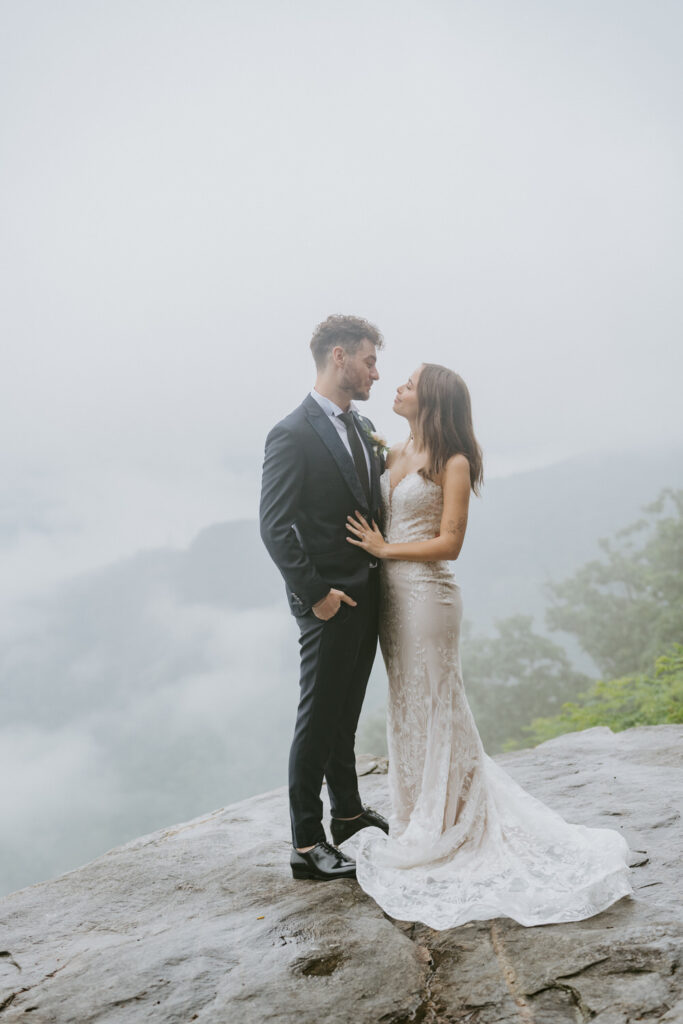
(544, 524)
(526, 529)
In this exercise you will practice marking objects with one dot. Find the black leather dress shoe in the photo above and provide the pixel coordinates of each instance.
(323, 863)
(343, 829)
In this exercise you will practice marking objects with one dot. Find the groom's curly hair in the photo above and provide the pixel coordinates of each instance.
(347, 331)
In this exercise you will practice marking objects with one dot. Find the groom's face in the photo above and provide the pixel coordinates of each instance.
(359, 371)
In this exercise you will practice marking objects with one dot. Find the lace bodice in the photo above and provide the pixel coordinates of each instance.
(412, 512)
(412, 508)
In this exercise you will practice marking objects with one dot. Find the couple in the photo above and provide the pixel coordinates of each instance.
(464, 842)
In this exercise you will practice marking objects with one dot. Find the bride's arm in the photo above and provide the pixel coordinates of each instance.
(456, 497)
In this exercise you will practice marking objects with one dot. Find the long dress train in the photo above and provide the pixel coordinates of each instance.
(466, 842)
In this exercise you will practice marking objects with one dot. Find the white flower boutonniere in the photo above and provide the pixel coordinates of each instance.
(379, 443)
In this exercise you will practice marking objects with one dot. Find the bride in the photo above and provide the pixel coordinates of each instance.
(465, 842)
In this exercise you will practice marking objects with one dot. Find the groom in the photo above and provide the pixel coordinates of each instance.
(320, 466)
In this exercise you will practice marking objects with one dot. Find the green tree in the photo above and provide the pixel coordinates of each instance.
(514, 677)
(622, 703)
(628, 607)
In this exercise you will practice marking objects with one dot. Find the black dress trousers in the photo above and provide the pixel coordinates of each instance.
(336, 661)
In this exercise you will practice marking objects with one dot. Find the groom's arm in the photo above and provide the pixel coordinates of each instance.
(281, 487)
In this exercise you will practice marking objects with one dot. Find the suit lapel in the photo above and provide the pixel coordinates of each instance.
(334, 444)
(375, 493)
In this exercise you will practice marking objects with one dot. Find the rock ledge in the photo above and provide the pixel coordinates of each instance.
(203, 921)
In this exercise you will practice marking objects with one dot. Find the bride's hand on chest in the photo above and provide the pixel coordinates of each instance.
(365, 536)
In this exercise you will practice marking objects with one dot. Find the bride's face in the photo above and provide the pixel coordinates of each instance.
(405, 403)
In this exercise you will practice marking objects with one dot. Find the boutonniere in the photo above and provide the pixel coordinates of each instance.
(378, 443)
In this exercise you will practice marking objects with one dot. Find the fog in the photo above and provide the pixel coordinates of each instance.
(187, 189)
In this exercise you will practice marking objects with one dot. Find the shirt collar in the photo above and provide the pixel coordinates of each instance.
(328, 406)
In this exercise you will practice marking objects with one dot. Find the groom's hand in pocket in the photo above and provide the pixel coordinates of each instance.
(329, 606)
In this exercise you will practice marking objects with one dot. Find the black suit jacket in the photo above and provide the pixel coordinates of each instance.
(309, 486)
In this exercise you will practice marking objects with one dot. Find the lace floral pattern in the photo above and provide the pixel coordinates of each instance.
(466, 841)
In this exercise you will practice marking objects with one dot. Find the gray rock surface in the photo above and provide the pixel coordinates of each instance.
(203, 921)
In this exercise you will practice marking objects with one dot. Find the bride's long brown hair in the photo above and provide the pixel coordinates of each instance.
(444, 423)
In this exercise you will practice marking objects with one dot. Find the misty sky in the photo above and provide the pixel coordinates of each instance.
(188, 188)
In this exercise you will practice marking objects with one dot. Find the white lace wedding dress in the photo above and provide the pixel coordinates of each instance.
(466, 842)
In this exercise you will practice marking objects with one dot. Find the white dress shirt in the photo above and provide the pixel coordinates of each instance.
(334, 412)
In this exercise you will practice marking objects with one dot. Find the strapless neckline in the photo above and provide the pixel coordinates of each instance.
(414, 472)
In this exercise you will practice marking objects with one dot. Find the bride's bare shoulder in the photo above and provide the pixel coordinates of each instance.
(455, 472)
(458, 465)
